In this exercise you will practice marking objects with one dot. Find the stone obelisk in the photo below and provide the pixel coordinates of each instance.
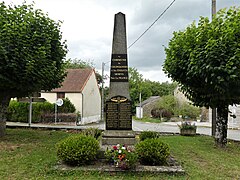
(118, 103)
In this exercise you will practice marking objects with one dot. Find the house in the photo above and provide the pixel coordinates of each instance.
(81, 88)
(145, 108)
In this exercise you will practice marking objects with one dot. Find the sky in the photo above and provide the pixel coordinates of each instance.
(88, 28)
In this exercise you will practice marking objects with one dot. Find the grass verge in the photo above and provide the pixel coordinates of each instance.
(31, 154)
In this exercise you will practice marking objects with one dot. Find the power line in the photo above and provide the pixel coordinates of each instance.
(152, 23)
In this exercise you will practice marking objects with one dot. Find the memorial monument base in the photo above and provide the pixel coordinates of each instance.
(114, 137)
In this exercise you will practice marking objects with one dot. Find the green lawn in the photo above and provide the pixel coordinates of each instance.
(31, 154)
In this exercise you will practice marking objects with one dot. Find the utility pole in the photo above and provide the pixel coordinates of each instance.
(102, 107)
(214, 110)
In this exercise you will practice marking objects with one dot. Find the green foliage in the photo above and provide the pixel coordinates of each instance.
(187, 125)
(189, 111)
(94, 132)
(148, 135)
(161, 89)
(161, 113)
(78, 64)
(78, 149)
(205, 60)
(67, 107)
(147, 88)
(41, 111)
(168, 103)
(32, 51)
(122, 156)
(19, 111)
(152, 152)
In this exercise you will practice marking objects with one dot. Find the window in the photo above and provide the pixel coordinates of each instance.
(60, 95)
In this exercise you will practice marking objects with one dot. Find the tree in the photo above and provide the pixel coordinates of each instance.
(80, 64)
(31, 54)
(161, 89)
(169, 103)
(137, 86)
(205, 60)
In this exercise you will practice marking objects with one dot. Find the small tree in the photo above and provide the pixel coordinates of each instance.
(31, 54)
(205, 60)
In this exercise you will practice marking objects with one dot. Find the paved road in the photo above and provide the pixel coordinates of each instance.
(168, 127)
(171, 127)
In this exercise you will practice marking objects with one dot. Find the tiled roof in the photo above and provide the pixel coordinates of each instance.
(75, 80)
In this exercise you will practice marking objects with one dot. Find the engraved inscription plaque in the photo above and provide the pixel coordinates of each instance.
(118, 114)
(119, 68)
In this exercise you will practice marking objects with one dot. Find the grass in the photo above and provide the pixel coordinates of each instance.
(31, 154)
(148, 119)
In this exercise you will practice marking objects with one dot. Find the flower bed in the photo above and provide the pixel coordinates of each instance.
(123, 157)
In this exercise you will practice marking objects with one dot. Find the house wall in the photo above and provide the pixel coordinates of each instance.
(50, 97)
(75, 98)
(91, 101)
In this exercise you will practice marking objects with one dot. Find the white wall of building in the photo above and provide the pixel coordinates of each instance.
(232, 122)
(91, 101)
(88, 103)
(76, 99)
(50, 97)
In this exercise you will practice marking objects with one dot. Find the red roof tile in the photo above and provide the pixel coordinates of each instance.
(75, 80)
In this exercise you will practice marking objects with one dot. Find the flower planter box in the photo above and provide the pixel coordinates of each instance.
(188, 132)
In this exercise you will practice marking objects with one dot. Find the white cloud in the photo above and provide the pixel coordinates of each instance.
(88, 27)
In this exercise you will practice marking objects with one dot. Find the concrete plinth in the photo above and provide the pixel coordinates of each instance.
(114, 137)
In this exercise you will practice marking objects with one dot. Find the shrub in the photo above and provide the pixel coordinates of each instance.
(62, 117)
(78, 149)
(148, 135)
(19, 111)
(67, 107)
(161, 113)
(94, 132)
(189, 111)
(168, 103)
(152, 152)
(41, 111)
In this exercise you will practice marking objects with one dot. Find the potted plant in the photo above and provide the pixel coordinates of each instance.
(122, 157)
(187, 128)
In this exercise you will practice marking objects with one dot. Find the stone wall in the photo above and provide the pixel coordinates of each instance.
(147, 108)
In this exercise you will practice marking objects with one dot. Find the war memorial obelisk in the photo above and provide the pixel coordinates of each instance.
(118, 103)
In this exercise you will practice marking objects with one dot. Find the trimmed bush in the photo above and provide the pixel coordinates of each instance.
(148, 135)
(67, 107)
(19, 111)
(152, 152)
(62, 117)
(78, 149)
(189, 111)
(161, 113)
(94, 132)
(41, 112)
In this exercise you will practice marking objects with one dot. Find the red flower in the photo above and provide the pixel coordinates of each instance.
(115, 147)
